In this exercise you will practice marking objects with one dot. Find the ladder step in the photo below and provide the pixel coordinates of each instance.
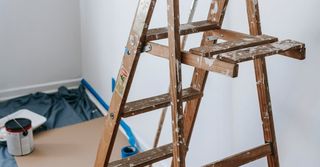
(243, 157)
(229, 35)
(205, 63)
(287, 46)
(249, 41)
(189, 28)
(156, 102)
(145, 158)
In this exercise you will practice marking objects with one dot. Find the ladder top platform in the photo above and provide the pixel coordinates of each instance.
(224, 57)
(244, 50)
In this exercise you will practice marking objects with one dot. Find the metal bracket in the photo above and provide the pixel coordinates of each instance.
(147, 48)
(212, 38)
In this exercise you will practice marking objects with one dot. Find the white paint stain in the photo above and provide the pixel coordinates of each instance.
(228, 73)
(132, 40)
(209, 62)
(216, 7)
(260, 82)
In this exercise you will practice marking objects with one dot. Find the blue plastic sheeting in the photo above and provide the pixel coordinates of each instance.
(6, 160)
(63, 108)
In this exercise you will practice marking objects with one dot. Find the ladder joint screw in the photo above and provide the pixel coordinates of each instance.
(112, 115)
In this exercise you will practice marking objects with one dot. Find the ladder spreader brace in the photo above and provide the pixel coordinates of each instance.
(210, 56)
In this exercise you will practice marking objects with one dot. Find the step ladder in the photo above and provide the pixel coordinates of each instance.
(211, 56)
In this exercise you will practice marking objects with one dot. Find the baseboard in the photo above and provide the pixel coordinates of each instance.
(46, 87)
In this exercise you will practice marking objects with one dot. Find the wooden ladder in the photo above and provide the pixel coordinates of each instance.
(211, 56)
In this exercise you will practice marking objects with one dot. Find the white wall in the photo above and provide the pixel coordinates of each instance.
(293, 84)
(101, 45)
(224, 126)
(39, 42)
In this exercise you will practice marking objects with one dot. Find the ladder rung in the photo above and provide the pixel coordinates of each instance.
(229, 35)
(286, 46)
(243, 157)
(145, 158)
(156, 102)
(189, 28)
(249, 41)
(205, 63)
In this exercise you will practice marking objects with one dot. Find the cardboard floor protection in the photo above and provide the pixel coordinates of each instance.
(71, 146)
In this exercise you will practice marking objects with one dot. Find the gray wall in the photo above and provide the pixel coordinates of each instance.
(39, 42)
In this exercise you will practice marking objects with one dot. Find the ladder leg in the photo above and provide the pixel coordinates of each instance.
(183, 43)
(124, 80)
(175, 84)
(200, 76)
(266, 110)
(262, 86)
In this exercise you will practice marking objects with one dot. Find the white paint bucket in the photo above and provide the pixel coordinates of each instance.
(19, 136)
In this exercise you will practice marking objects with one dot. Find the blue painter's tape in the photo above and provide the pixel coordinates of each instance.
(95, 94)
(127, 129)
(113, 84)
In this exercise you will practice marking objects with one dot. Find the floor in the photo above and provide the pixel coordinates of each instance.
(74, 145)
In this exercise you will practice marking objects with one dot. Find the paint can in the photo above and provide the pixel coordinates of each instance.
(19, 136)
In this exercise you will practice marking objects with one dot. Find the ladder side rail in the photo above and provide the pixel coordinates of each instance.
(176, 83)
(200, 76)
(129, 63)
(263, 86)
